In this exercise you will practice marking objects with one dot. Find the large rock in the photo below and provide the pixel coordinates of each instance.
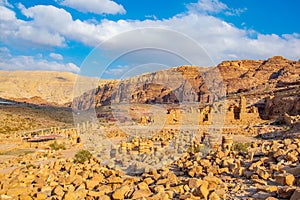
(121, 192)
(194, 182)
(59, 191)
(90, 184)
(285, 179)
(296, 195)
(14, 192)
(141, 194)
(262, 195)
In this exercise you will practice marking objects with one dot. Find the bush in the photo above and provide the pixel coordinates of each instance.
(204, 149)
(241, 147)
(55, 146)
(82, 156)
(30, 165)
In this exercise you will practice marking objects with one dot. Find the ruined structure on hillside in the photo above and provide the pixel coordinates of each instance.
(242, 113)
(234, 113)
(277, 106)
(227, 142)
(43, 138)
(146, 120)
(173, 116)
(205, 115)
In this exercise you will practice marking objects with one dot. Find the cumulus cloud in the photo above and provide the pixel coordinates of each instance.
(220, 39)
(39, 36)
(7, 14)
(22, 32)
(56, 56)
(95, 6)
(32, 63)
(10, 62)
(52, 26)
(60, 22)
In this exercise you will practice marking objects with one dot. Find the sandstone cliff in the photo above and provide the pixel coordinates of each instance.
(196, 84)
(246, 75)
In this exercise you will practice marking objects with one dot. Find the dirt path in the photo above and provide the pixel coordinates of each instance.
(243, 138)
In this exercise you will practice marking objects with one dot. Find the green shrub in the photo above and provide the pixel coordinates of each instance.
(82, 156)
(204, 149)
(241, 147)
(55, 146)
(30, 165)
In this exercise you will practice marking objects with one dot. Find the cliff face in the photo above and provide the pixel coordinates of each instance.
(196, 84)
(168, 86)
(181, 84)
(246, 75)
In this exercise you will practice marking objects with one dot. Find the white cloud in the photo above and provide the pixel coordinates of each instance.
(235, 12)
(119, 70)
(39, 36)
(154, 17)
(60, 22)
(220, 39)
(5, 3)
(32, 63)
(214, 6)
(95, 6)
(210, 6)
(19, 32)
(56, 56)
(6, 14)
(9, 62)
(51, 26)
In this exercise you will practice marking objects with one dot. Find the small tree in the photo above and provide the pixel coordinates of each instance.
(82, 156)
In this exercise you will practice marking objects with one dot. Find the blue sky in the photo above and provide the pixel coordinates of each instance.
(60, 35)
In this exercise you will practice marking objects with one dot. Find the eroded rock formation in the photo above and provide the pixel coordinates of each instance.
(196, 84)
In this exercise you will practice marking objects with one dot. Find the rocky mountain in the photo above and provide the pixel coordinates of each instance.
(197, 84)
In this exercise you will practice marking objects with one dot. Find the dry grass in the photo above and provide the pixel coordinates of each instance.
(21, 117)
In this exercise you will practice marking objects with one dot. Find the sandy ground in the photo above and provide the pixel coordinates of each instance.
(4, 147)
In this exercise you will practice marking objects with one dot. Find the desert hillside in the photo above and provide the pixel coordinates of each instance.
(50, 86)
(40, 87)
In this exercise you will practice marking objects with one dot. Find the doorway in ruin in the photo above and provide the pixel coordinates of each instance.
(236, 112)
(205, 119)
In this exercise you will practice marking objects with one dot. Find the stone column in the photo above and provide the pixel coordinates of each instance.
(243, 104)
